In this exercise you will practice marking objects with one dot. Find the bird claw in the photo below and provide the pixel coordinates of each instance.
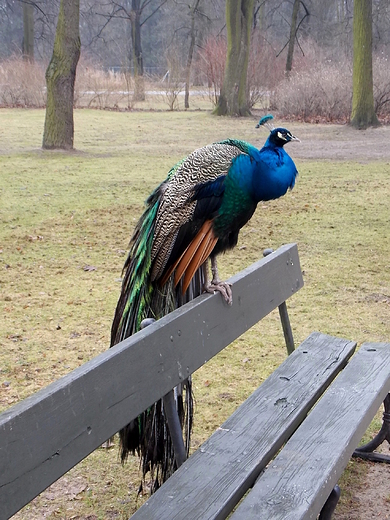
(225, 288)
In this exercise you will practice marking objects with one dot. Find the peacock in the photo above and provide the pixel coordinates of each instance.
(195, 214)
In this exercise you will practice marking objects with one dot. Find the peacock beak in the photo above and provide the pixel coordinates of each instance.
(293, 138)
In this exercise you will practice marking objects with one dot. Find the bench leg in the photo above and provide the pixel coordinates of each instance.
(330, 505)
(174, 428)
(288, 335)
(367, 451)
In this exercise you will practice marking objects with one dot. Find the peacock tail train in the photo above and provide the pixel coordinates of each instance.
(141, 297)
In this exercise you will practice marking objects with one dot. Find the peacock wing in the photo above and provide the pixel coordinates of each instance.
(178, 201)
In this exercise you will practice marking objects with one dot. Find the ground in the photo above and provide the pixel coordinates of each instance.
(368, 490)
(343, 142)
(371, 498)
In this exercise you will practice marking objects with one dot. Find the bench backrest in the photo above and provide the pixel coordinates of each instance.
(47, 434)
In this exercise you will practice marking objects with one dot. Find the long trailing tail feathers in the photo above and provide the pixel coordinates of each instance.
(142, 297)
(148, 435)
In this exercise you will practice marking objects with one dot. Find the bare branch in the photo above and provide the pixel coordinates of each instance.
(154, 12)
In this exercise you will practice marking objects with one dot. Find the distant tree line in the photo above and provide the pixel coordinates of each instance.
(108, 28)
(132, 33)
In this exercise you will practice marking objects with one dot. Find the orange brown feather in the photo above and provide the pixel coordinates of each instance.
(184, 260)
(199, 258)
(196, 254)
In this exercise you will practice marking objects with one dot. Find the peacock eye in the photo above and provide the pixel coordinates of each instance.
(282, 136)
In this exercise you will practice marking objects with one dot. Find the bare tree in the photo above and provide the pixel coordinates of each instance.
(193, 11)
(233, 98)
(294, 27)
(28, 31)
(293, 32)
(363, 112)
(137, 6)
(133, 11)
(60, 78)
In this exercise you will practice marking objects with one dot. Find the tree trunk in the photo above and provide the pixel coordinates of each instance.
(139, 85)
(233, 97)
(293, 32)
(28, 32)
(259, 17)
(190, 54)
(363, 112)
(60, 78)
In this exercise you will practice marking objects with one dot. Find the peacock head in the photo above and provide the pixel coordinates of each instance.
(281, 136)
(278, 136)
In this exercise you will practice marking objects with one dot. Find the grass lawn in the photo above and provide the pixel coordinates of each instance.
(66, 219)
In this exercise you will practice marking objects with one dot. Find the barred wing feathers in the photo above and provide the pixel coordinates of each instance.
(178, 202)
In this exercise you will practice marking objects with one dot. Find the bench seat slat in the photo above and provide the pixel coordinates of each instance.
(297, 483)
(216, 476)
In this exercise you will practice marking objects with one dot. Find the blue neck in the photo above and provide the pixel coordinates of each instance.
(274, 174)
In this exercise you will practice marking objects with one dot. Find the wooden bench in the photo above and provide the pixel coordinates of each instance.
(298, 482)
(73, 416)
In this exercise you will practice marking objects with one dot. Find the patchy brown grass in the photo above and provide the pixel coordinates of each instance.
(66, 221)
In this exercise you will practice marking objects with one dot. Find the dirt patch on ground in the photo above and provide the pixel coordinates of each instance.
(371, 496)
(373, 499)
(340, 143)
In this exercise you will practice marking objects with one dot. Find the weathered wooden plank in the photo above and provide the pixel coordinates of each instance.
(212, 481)
(299, 480)
(47, 434)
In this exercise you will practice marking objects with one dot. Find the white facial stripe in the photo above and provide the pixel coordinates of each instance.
(281, 136)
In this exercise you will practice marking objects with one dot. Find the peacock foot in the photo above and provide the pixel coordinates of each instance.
(225, 288)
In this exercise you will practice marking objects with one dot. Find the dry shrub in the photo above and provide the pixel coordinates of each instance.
(381, 69)
(211, 62)
(265, 71)
(323, 92)
(316, 90)
(172, 83)
(22, 83)
(99, 88)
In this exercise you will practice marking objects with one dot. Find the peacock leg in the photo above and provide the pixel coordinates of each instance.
(225, 288)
